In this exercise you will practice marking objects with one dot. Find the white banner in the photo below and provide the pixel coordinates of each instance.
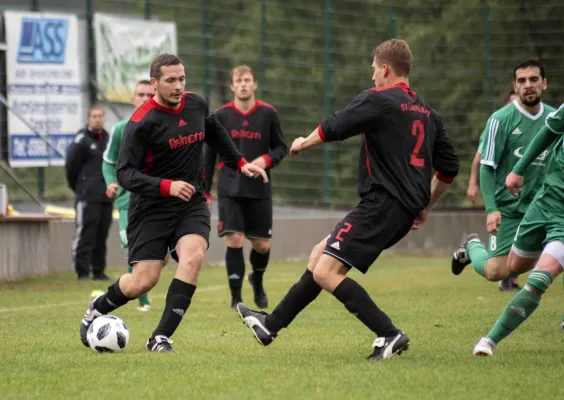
(124, 51)
(44, 86)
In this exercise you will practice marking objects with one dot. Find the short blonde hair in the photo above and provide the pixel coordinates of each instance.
(242, 69)
(397, 54)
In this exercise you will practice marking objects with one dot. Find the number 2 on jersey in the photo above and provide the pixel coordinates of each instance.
(417, 129)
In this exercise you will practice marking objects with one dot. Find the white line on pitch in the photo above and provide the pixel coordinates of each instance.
(78, 303)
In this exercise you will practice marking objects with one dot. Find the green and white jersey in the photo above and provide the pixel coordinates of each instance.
(552, 192)
(508, 132)
(110, 160)
(481, 141)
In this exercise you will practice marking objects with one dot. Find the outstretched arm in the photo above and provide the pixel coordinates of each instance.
(354, 119)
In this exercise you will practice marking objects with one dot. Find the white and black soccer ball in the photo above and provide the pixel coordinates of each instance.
(108, 334)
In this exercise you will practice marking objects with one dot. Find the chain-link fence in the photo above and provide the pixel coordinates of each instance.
(312, 58)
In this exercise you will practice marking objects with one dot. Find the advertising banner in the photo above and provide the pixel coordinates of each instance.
(124, 50)
(43, 86)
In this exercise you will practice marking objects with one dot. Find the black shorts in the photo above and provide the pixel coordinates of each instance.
(152, 234)
(378, 222)
(253, 217)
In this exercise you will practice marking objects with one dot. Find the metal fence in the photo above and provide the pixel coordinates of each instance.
(312, 58)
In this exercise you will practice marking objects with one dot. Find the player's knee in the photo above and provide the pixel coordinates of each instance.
(496, 269)
(142, 285)
(194, 260)
(520, 261)
(315, 254)
(321, 276)
(261, 246)
(235, 240)
(555, 263)
(143, 278)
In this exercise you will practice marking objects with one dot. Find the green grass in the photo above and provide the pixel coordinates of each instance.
(321, 356)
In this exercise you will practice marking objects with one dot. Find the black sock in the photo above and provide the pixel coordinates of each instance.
(111, 300)
(259, 262)
(358, 302)
(178, 300)
(235, 264)
(298, 297)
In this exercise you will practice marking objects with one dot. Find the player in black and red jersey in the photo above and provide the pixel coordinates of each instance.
(160, 164)
(403, 143)
(245, 205)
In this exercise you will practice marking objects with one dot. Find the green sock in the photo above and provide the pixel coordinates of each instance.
(478, 255)
(521, 306)
(143, 299)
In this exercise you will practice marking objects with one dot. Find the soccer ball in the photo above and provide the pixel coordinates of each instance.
(108, 334)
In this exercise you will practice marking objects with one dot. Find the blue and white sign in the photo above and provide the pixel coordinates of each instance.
(43, 86)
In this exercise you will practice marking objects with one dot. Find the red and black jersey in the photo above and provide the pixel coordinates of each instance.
(255, 133)
(161, 145)
(403, 143)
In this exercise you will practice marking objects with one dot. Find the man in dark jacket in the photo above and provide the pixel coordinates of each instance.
(93, 208)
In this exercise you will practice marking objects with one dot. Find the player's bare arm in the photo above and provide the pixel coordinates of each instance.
(473, 191)
(487, 185)
(300, 144)
(438, 188)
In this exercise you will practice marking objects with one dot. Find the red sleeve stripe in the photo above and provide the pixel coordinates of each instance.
(444, 178)
(320, 133)
(241, 162)
(268, 160)
(165, 187)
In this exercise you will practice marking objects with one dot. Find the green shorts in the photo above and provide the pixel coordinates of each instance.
(123, 228)
(538, 228)
(500, 245)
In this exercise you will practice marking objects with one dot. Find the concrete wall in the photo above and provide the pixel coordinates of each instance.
(294, 238)
(40, 249)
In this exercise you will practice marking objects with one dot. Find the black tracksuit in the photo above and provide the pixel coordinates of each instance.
(83, 167)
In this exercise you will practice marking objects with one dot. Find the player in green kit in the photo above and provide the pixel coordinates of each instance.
(143, 91)
(473, 191)
(509, 130)
(541, 232)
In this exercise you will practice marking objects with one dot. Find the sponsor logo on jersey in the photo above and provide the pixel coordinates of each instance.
(245, 123)
(181, 123)
(245, 134)
(186, 140)
(519, 153)
(336, 246)
(516, 131)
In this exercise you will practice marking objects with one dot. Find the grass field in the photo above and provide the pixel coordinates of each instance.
(321, 356)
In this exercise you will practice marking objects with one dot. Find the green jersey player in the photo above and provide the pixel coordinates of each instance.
(508, 132)
(143, 91)
(473, 192)
(541, 232)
